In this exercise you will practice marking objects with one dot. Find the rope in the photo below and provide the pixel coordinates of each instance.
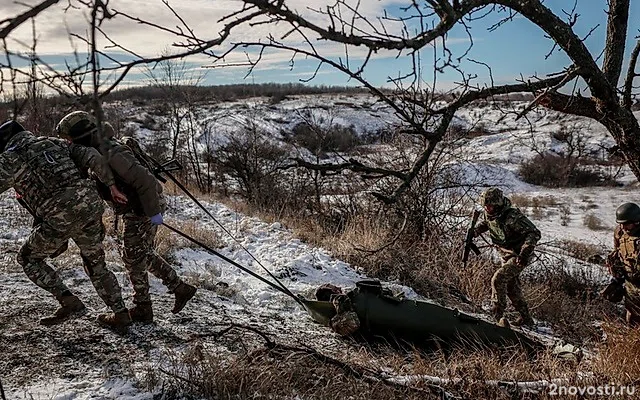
(197, 202)
(282, 289)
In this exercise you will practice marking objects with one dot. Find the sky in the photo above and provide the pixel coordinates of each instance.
(516, 47)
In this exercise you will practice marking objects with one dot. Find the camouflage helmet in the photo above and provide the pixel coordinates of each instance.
(492, 197)
(76, 125)
(628, 212)
(7, 130)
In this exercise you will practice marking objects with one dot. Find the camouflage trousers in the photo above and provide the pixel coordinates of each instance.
(82, 223)
(632, 304)
(139, 257)
(506, 283)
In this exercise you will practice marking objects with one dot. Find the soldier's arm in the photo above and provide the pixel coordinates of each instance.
(125, 164)
(481, 227)
(526, 228)
(88, 157)
(613, 257)
(9, 165)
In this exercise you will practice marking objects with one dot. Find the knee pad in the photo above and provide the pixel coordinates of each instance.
(24, 256)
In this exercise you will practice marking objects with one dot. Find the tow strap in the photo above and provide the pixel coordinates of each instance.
(161, 169)
(282, 289)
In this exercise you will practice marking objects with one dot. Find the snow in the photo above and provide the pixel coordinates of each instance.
(90, 388)
(228, 294)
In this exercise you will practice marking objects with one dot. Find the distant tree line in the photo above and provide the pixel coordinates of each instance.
(229, 92)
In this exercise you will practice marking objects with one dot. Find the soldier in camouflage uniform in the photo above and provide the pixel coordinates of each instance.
(141, 216)
(515, 236)
(623, 261)
(45, 172)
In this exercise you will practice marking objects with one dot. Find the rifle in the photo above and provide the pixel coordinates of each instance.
(171, 165)
(154, 166)
(468, 240)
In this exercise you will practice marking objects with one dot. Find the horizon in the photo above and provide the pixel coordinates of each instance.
(502, 50)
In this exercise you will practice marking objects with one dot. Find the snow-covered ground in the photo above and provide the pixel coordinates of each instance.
(79, 360)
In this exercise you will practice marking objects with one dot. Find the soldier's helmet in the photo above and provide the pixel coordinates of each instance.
(492, 197)
(7, 130)
(628, 212)
(76, 126)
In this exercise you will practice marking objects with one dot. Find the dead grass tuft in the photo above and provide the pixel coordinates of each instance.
(582, 251)
(619, 358)
(593, 222)
(168, 242)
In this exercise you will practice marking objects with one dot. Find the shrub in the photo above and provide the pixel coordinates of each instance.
(320, 141)
(593, 222)
(553, 170)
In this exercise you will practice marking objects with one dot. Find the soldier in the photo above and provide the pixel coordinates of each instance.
(141, 216)
(515, 236)
(45, 172)
(623, 260)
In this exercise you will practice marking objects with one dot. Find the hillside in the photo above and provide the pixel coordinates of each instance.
(80, 360)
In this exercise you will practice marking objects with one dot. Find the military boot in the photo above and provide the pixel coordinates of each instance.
(183, 293)
(504, 323)
(497, 312)
(118, 322)
(523, 320)
(69, 305)
(142, 312)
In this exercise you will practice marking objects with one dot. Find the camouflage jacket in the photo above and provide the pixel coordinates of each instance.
(134, 179)
(44, 170)
(625, 258)
(511, 231)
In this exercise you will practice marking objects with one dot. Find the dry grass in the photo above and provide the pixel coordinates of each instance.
(594, 222)
(583, 251)
(524, 201)
(431, 265)
(619, 359)
(168, 242)
(275, 370)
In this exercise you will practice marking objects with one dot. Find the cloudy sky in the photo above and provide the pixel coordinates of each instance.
(517, 47)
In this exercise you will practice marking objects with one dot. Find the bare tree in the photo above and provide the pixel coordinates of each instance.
(346, 23)
(419, 27)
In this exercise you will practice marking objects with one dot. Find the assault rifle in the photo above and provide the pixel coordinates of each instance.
(154, 166)
(171, 165)
(468, 240)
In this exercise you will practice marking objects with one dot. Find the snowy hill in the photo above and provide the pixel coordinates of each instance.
(80, 360)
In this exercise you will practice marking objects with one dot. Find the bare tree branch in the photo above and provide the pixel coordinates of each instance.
(616, 38)
(13, 23)
(631, 75)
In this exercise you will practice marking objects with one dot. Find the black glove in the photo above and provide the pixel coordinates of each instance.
(526, 252)
(614, 292)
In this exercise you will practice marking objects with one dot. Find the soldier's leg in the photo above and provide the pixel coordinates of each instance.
(160, 268)
(514, 292)
(632, 304)
(499, 282)
(144, 244)
(43, 242)
(135, 255)
(156, 265)
(89, 239)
